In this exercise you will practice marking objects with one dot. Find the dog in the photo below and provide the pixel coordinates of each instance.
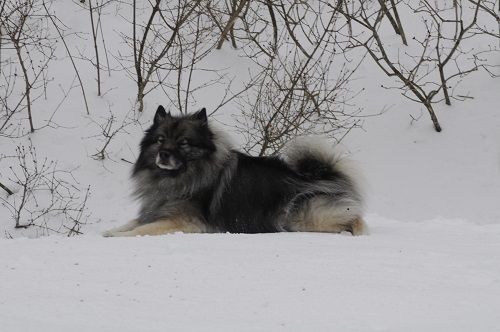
(188, 178)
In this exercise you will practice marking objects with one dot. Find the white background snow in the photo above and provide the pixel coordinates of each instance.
(431, 262)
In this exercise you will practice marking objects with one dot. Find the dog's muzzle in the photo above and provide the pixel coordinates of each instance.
(165, 160)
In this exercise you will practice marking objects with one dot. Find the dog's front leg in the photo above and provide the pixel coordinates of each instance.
(160, 227)
(121, 229)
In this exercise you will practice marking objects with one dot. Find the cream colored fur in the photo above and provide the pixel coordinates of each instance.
(184, 224)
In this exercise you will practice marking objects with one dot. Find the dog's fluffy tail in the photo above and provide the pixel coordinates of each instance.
(315, 159)
(334, 187)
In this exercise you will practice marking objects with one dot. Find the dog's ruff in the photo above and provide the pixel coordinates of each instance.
(189, 179)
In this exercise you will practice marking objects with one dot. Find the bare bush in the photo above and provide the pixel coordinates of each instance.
(447, 43)
(27, 46)
(109, 129)
(442, 57)
(291, 43)
(95, 10)
(302, 85)
(44, 196)
(25, 36)
(235, 9)
(169, 42)
(156, 50)
(60, 31)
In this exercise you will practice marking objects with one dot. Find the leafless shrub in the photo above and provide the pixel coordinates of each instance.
(447, 44)
(109, 128)
(58, 25)
(169, 42)
(181, 83)
(30, 48)
(155, 51)
(301, 87)
(95, 9)
(442, 57)
(7, 110)
(27, 45)
(235, 9)
(44, 196)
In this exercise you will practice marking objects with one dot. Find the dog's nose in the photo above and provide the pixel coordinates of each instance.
(165, 154)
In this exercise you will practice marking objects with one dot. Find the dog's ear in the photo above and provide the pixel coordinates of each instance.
(201, 115)
(161, 115)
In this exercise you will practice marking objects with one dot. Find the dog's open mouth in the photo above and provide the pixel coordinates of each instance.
(171, 164)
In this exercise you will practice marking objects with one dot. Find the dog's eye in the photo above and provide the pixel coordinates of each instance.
(183, 143)
(160, 139)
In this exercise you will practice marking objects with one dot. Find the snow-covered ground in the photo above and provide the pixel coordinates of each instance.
(439, 275)
(431, 262)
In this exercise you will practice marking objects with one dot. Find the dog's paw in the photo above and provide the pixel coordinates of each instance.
(108, 234)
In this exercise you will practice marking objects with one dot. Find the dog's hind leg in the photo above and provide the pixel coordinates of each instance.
(358, 227)
(322, 214)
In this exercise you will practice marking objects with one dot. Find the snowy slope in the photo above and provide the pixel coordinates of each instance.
(415, 174)
(440, 275)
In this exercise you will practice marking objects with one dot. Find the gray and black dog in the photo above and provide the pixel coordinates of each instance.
(189, 179)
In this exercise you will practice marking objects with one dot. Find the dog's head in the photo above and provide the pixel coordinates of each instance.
(173, 143)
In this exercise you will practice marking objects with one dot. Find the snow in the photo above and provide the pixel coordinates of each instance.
(454, 174)
(432, 276)
(430, 263)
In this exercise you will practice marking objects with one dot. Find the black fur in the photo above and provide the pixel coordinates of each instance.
(257, 198)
